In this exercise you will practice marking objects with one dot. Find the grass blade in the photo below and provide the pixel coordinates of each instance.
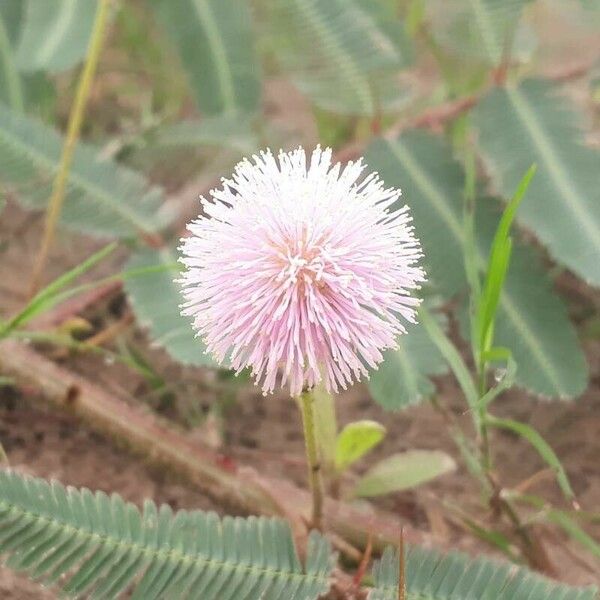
(50, 295)
(543, 448)
(498, 262)
(452, 356)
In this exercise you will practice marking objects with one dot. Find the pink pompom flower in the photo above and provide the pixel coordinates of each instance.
(301, 270)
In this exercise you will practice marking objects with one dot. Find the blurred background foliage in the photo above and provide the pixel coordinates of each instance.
(420, 87)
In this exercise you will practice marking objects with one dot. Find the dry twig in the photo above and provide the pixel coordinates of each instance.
(161, 443)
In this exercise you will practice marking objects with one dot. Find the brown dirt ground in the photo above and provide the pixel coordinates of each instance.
(265, 432)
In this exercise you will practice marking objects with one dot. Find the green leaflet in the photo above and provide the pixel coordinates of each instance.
(102, 198)
(11, 91)
(214, 40)
(229, 130)
(11, 13)
(355, 440)
(432, 182)
(160, 311)
(432, 185)
(344, 54)
(433, 576)
(533, 322)
(33, 91)
(479, 30)
(55, 34)
(403, 379)
(93, 545)
(531, 123)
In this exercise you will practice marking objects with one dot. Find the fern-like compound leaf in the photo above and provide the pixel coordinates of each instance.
(454, 576)
(99, 546)
(345, 55)
(55, 34)
(102, 198)
(432, 182)
(214, 39)
(534, 123)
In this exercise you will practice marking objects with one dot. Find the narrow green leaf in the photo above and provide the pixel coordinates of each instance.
(355, 440)
(490, 536)
(49, 296)
(62, 296)
(539, 443)
(532, 123)
(532, 320)
(160, 311)
(404, 471)
(508, 216)
(497, 266)
(214, 40)
(55, 34)
(495, 276)
(564, 520)
(452, 356)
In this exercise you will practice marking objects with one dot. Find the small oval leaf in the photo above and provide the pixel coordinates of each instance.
(355, 440)
(403, 471)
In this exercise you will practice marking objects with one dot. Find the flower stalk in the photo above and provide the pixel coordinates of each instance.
(306, 402)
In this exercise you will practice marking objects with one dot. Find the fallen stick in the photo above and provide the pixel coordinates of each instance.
(162, 444)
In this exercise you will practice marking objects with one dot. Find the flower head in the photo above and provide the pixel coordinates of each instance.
(301, 270)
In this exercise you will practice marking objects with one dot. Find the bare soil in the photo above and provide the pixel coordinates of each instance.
(264, 431)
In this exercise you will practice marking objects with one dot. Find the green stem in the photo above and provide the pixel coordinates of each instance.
(306, 402)
(470, 457)
(486, 454)
(75, 120)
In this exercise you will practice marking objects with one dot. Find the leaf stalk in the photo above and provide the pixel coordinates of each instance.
(74, 128)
